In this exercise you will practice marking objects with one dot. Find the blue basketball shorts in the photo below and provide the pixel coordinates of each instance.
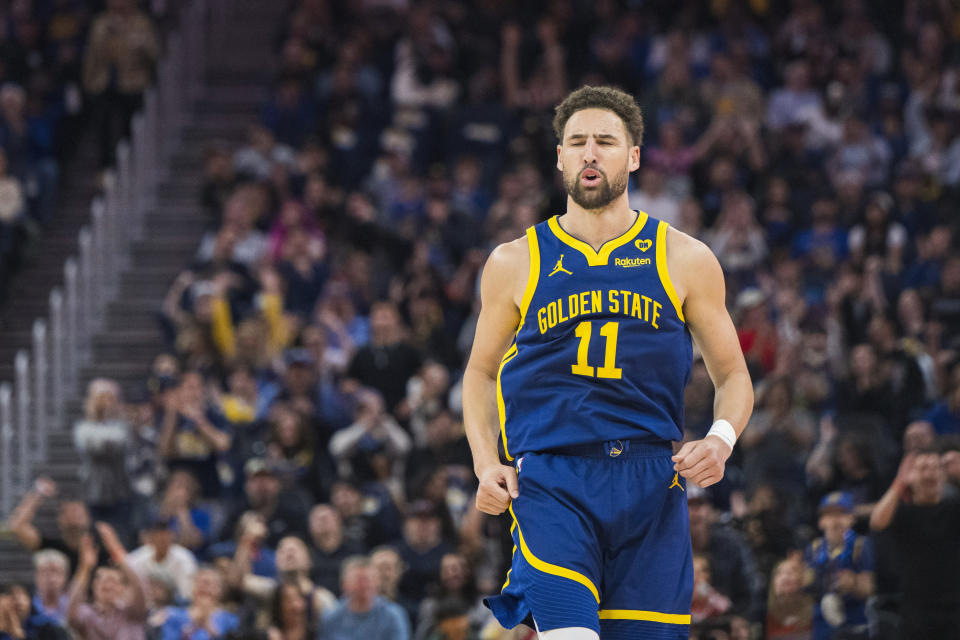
(601, 540)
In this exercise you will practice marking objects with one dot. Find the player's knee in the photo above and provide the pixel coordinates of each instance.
(570, 633)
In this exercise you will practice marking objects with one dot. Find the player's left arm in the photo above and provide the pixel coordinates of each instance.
(699, 279)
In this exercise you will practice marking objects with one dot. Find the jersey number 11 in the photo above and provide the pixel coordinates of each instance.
(609, 368)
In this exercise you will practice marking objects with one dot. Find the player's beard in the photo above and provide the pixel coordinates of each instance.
(598, 197)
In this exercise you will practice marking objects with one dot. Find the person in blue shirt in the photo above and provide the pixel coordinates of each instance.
(840, 571)
(205, 618)
(361, 613)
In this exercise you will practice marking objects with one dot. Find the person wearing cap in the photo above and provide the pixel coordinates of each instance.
(159, 552)
(422, 550)
(283, 511)
(840, 570)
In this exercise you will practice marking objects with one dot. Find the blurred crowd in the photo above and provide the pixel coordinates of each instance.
(296, 463)
(65, 64)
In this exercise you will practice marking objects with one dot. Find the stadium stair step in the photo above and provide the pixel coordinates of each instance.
(236, 83)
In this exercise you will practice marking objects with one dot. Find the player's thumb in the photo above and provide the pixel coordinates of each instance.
(510, 480)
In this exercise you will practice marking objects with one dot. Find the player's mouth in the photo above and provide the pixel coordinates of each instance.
(590, 177)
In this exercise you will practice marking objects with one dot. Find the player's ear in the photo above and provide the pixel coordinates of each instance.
(559, 158)
(634, 158)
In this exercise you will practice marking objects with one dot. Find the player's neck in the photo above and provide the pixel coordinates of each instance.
(596, 226)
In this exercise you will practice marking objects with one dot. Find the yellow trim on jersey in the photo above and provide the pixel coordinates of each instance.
(501, 409)
(533, 277)
(646, 616)
(598, 258)
(534, 274)
(552, 569)
(662, 269)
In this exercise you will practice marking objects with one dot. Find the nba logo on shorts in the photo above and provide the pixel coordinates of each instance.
(519, 463)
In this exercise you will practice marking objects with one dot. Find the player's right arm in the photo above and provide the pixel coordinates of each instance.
(499, 318)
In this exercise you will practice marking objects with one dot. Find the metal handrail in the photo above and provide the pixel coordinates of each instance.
(35, 404)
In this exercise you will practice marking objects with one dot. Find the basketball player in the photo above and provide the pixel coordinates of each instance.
(582, 351)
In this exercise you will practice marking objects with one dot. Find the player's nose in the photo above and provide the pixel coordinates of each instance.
(589, 151)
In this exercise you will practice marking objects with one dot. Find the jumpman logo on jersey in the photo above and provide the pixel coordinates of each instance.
(559, 267)
(676, 482)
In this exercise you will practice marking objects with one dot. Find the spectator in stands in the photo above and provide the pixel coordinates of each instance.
(707, 603)
(219, 181)
(193, 435)
(389, 567)
(796, 101)
(13, 200)
(737, 240)
(73, 521)
(361, 614)
(251, 556)
(653, 196)
(945, 415)
(732, 569)
(374, 430)
(102, 439)
(842, 565)
(328, 547)
(179, 502)
(284, 512)
(257, 159)
(388, 361)
(456, 582)
(160, 552)
(18, 618)
(50, 571)
(923, 523)
(205, 618)
(119, 607)
(789, 606)
(878, 234)
(293, 566)
(291, 614)
(778, 441)
(918, 435)
(122, 50)
(422, 550)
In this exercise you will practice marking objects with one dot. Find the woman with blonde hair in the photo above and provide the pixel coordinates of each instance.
(102, 439)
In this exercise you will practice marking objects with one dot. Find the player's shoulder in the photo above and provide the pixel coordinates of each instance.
(509, 256)
(685, 250)
(691, 263)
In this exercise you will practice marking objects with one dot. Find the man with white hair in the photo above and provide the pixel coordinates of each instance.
(51, 568)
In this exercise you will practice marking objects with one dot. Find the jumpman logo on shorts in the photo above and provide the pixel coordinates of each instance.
(559, 267)
(676, 482)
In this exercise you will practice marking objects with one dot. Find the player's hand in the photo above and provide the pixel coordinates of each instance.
(498, 486)
(702, 461)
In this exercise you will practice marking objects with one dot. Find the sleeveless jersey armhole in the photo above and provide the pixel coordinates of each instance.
(533, 275)
(662, 269)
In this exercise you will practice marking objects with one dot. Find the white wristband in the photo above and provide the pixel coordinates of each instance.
(725, 431)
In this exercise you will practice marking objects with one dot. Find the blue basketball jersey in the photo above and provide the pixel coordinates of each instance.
(602, 351)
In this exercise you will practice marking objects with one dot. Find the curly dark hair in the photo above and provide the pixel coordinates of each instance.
(588, 97)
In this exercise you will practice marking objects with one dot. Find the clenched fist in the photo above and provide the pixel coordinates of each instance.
(498, 486)
(702, 461)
